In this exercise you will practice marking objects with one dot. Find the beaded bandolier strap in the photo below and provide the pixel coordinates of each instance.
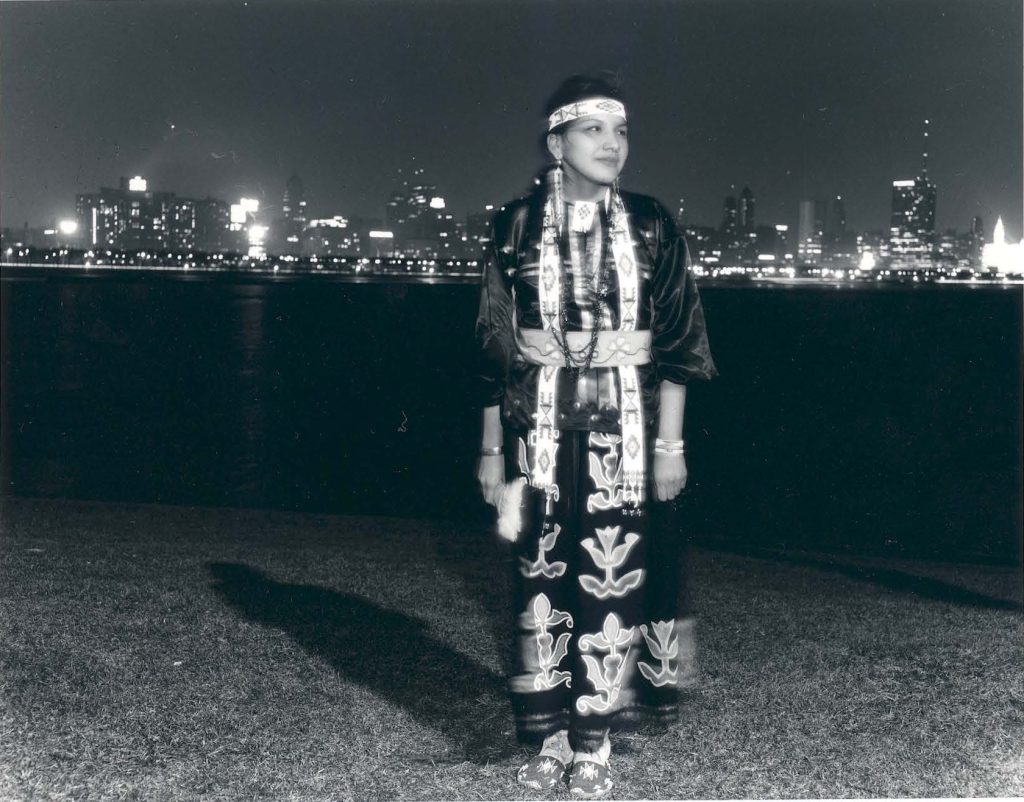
(632, 416)
(544, 436)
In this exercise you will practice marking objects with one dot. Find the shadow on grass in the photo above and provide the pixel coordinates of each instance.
(485, 565)
(390, 653)
(888, 578)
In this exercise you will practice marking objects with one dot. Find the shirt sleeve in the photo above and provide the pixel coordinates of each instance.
(679, 339)
(494, 323)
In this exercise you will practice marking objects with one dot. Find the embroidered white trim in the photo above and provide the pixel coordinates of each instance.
(608, 558)
(606, 676)
(606, 472)
(664, 646)
(540, 617)
(532, 569)
(584, 108)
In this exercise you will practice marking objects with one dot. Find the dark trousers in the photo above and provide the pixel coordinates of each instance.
(600, 640)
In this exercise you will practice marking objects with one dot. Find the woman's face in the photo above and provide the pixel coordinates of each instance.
(593, 149)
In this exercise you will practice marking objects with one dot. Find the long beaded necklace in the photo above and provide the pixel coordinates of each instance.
(573, 362)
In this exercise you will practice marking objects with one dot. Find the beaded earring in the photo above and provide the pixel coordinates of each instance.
(556, 192)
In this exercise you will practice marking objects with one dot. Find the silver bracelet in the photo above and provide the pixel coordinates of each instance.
(491, 451)
(669, 446)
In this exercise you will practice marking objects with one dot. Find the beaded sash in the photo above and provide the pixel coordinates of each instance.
(611, 349)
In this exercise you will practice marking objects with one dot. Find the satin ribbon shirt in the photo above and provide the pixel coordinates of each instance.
(670, 307)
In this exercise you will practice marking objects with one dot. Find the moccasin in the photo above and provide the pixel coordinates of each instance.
(542, 773)
(589, 780)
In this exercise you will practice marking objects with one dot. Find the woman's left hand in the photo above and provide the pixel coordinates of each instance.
(669, 475)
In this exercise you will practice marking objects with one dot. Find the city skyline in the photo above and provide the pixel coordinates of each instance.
(229, 99)
(418, 222)
(136, 224)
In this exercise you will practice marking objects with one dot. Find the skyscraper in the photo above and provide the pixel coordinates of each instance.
(730, 220)
(810, 230)
(418, 216)
(912, 223)
(745, 211)
(133, 217)
(293, 217)
(835, 224)
(977, 240)
(213, 217)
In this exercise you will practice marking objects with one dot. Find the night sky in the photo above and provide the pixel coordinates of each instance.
(797, 99)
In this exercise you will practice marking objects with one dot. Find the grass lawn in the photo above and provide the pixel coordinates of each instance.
(166, 653)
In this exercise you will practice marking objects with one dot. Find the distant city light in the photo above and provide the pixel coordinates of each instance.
(1005, 257)
(166, 225)
(329, 222)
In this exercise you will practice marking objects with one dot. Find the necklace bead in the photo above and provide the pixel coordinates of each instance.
(583, 357)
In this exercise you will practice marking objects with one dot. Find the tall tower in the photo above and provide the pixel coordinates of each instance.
(912, 222)
(293, 205)
(977, 240)
(835, 225)
(746, 211)
(293, 216)
(810, 230)
(730, 219)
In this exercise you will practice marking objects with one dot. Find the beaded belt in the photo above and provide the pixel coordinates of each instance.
(613, 348)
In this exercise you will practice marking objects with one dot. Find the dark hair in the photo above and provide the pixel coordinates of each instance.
(573, 88)
(580, 87)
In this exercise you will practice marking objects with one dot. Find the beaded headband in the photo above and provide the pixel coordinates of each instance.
(585, 108)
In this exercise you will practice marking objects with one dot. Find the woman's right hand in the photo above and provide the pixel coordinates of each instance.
(491, 475)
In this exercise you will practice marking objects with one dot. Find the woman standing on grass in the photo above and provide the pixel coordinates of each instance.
(590, 326)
